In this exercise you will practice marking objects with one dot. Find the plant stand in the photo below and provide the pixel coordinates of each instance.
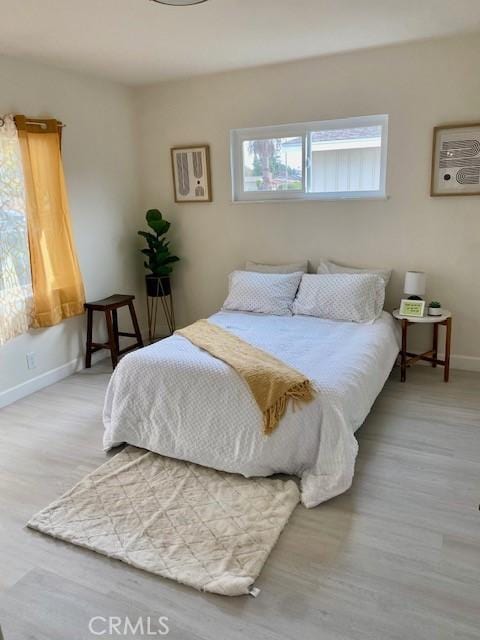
(166, 300)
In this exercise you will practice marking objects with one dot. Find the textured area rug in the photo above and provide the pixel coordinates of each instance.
(204, 528)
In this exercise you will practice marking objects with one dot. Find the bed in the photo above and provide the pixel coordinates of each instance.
(177, 400)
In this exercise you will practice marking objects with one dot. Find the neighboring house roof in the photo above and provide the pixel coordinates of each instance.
(346, 134)
(329, 135)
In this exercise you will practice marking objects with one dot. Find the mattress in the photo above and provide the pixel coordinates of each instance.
(179, 401)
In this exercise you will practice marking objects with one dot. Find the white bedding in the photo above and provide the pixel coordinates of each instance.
(179, 401)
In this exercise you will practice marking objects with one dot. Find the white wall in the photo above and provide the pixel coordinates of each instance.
(100, 157)
(419, 85)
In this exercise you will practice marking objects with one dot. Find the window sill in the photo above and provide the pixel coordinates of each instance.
(311, 199)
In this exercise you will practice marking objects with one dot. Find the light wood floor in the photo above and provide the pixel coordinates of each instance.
(397, 557)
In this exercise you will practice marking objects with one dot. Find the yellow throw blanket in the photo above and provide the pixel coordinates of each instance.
(272, 383)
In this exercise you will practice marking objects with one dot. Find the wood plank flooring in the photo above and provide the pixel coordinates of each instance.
(395, 558)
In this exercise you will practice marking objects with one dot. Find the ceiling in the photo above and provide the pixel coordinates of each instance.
(141, 42)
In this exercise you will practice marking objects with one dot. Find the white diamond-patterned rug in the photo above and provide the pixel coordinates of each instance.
(204, 528)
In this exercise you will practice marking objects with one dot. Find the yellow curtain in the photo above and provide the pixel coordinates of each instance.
(56, 279)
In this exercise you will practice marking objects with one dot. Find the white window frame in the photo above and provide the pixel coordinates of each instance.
(303, 130)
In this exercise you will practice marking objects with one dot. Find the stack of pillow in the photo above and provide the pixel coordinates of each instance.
(335, 292)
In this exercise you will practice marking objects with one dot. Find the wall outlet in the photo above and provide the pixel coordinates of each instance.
(31, 361)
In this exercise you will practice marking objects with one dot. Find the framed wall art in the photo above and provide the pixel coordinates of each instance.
(456, 160)
(191, 173)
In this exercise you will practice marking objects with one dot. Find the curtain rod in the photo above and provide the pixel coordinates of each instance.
(39, 124)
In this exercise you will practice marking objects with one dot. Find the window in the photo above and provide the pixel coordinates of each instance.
(333, 159)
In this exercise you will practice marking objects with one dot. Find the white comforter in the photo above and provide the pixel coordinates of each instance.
(179, 401)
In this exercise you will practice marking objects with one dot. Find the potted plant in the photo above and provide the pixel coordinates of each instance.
(435, 308)
(159, 259)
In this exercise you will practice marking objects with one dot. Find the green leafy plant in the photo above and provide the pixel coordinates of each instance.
(435, 305)
(159, 259)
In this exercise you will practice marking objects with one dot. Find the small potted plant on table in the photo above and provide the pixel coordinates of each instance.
(435, 308)
(159, 262)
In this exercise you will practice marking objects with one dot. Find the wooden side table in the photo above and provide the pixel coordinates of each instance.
(408, 358)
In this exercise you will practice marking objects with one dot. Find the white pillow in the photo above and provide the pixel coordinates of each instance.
(272, 293)
(291, 267)
(327, 266)
(341, 296)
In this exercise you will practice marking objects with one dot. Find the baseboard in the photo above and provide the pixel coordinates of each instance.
(462, 363)
(49, 377)
(467, 363)
(44, 380)
(39, 382)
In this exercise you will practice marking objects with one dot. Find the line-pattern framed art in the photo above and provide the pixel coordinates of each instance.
(191, 173)
(456, 160)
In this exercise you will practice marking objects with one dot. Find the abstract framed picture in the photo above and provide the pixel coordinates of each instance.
(456, 160)
(191, 173)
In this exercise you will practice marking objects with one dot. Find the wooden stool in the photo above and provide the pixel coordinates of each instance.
(109, 306)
